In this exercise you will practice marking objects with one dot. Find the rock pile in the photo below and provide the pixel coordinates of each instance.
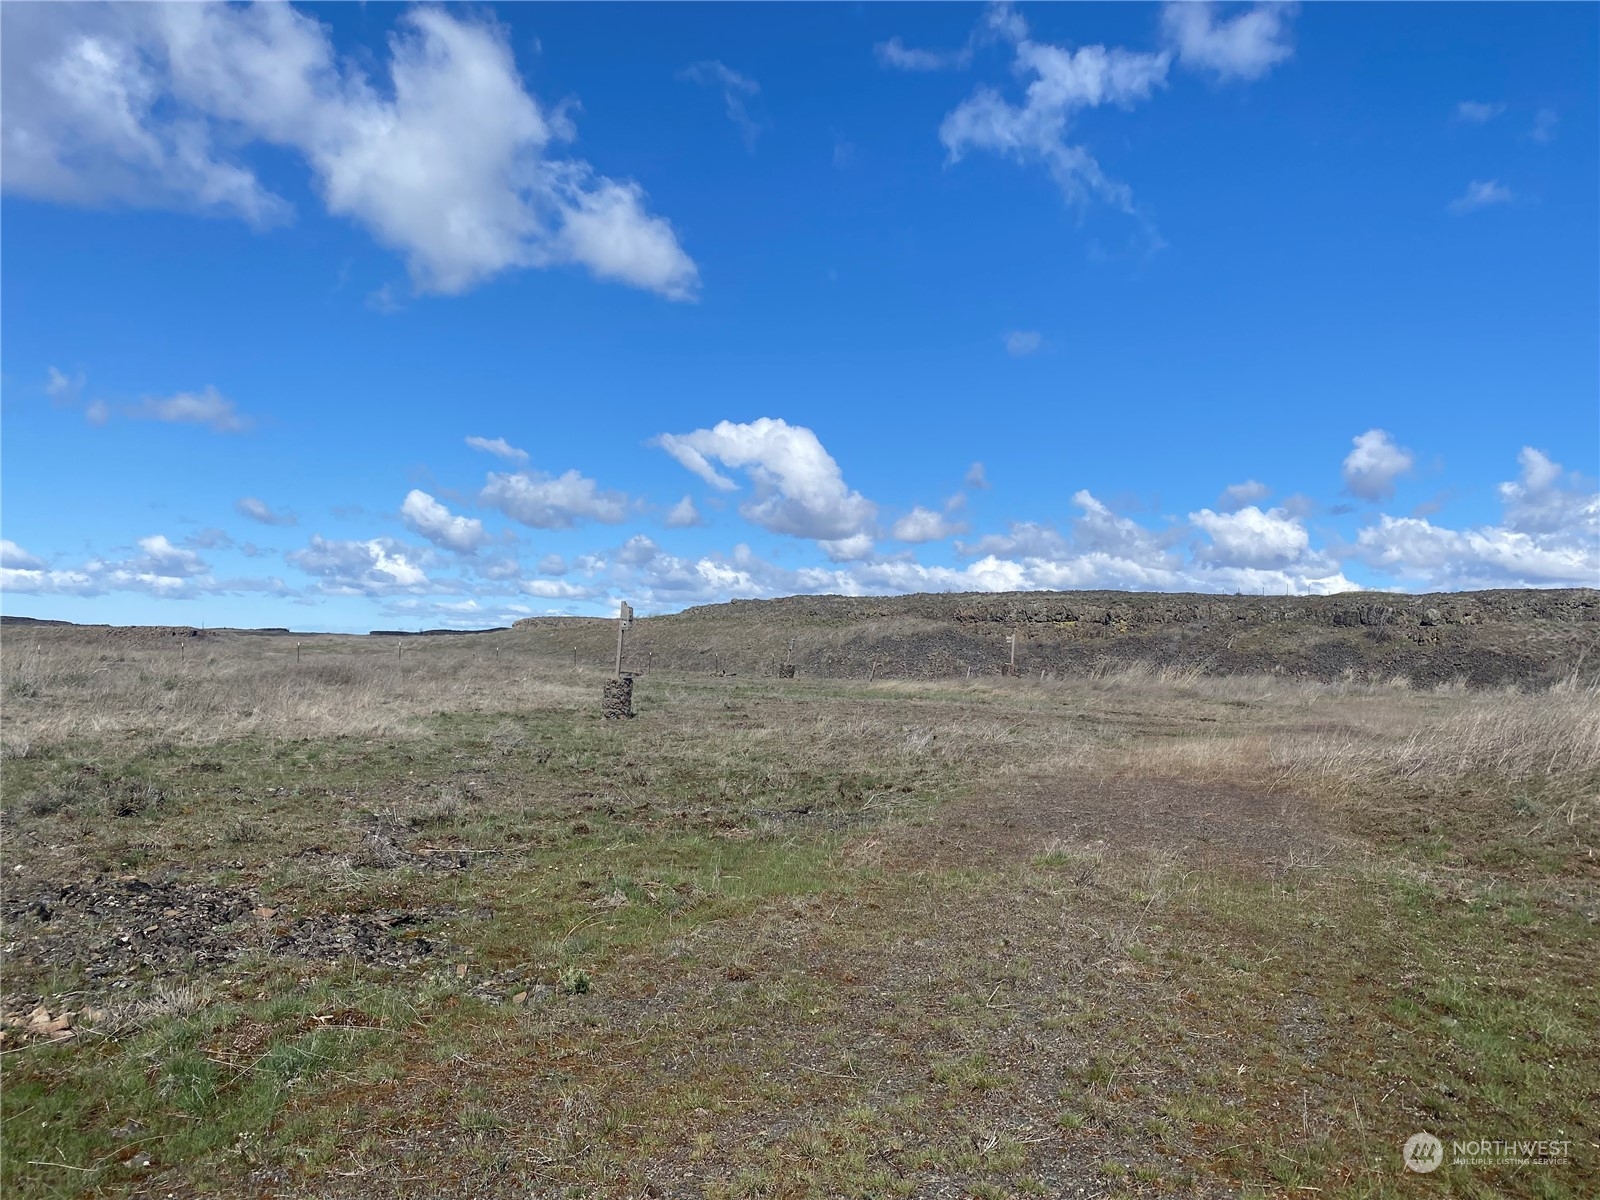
(616, 698)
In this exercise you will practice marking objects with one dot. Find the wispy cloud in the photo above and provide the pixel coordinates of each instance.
(260, 510)
(1060, 82)
(737, 91)
(498, 447)
(1476, 112)
(896, 54)
(1063, 83)
(1482, 193)
(1237, 495)
(1022, 342)
(208, 407)
(1545, 122)
(63, 388)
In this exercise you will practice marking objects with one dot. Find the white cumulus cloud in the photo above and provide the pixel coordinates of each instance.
(448, 161)
(159, 569)
(1244, 46)
(1540, 501)
(683, 514)
(1548, 536)
(546, 502)
(161, 557)
(424, 515)
(376, 567)
(14, 556)
(1372, 467)
(1252, 538)
(925, 525)
(1063, 82)
(797, 486)
(555, 589)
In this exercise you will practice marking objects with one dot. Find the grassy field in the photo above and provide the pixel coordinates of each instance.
(383, 918)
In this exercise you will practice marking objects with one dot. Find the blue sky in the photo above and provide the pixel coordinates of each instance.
(376, 316)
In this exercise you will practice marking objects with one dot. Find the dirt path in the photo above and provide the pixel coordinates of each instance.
(1202, 825)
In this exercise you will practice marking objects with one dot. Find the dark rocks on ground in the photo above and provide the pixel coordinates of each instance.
(386, 938)
(116, 929)
(122, 931)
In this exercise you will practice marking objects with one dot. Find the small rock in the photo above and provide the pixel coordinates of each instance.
(520, 998)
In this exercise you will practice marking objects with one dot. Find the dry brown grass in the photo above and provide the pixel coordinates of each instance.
(1282, 730)
(61, 688)
(66, 687)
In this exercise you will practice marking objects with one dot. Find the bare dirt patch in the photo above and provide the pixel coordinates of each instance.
(1203, 824)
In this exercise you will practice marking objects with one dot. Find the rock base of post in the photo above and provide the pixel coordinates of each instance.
(1005, 668)
(616, 698)
(786, 671)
